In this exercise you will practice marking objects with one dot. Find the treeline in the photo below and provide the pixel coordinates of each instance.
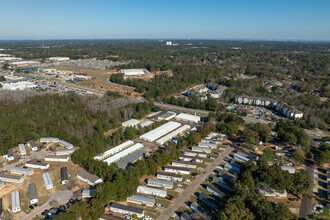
(210, 104)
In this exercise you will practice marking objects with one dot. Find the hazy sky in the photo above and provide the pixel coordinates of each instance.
(207, 19)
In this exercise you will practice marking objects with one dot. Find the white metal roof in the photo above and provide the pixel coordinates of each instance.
(15, 200)
(21, 169)
(114, 150)
(22, 149)
(173, 134)
(65, 143)
(141, 198)
(150, 190)
(131, 122)
(48, 181)
(146, 123)
(123, 153)
(188, 117)
(157, 181)
(160, 131)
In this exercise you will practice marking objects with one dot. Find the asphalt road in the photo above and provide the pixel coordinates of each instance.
(62, 197)
(306, 206)
(179, 201)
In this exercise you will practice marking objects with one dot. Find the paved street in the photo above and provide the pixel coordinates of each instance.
(179, 201)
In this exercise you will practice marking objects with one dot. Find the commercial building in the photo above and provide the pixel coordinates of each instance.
(32, 145)
(49, 140)
(132, 158)
(22, 150)
(123, 154)
(289, 169)
(160, 131)
(33, 194)
(178, 170)
(21, 170)
(65, 144)
(208, 200)
(151, 191)
(91, 179)
(194, 153)
(2, 184)
(123, 209)
(160, 183)
(133, 72)
(37, 165)
(173, 134)
(64, 152)
(114, 150)
(191, 159)
(178, 163)
(87, 193)
(130, 123)
(141, 200)
(11, 178)
(15, 202)
(64, 175)
(188, 118)
(215, 191)
(166, 116)
(201, 149)
(58, 59)
(48, 181)
(57, 159)
(169, 176)
(146, 123)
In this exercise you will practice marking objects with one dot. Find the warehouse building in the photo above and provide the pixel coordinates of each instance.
(191, 159)
(160, 183)
(122, 154)
(65, 144)
(146, 123)
(64, 152)
(49, 140)
(141, 200)
(188, 118)
(177, 170)
(32, 145)
(169, 176)
(91, 179)
(133, 72)
(130, 123)
(11, 178)
(166, 116)
(194, 153)
(57, 159)
(132, 158)
(33, 194)
(87, 193)
(178, 163)
(48, 181)
(2, 184)
(160, 131)
(21, 170)
(215, 191)
(114, 150)
(151, 191)
(208, 200)
(173, 134)
(201, 149)
(123, 209)
(64, 175)
(22, 149)
(37, 165)
(15, 202)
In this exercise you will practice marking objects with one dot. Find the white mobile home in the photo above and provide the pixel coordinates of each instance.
(91, 179)
(191, 158)
(201, 149)
(64, 152)
(194, 153)
(123, 209)
(169, 176)
(160, 183)
(32, 145)
(21, 170)
(178, 163)
(22, 149)
(178, 170)
(15, 202)
(49, 140)
(2, 184)
(142, 200)
(57, 159)
(289, 169)
(151, 191)
(37, 165)
(11, 178)
(188, 118)
(48, 181)
(64, 175)
(65, 144)
(33, 193)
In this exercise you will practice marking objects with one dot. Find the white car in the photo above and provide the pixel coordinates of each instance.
(187, 180)
(179, 185)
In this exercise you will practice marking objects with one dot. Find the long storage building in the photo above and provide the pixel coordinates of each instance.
(15, 202)
(21, 170)
(188, 118)
(160, 183)
(160, 131)
(48, 181)
(114, 150)
(132, 158)
(151, 191)
(123, 154)
(141, 200)
(173, 134)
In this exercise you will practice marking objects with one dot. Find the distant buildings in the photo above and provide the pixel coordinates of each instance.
(58, 59)
(169, 43)
(24, 64)
(133, 72)
(130, 123)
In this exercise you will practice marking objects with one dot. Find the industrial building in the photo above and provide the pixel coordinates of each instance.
(178, 163)
(123, 154)
(169, 176)
(133, 72)
(201, 149)
(160, 183)
(291, 170)
(11, 178)
(160, 131)
(173, 134)
(215, 191)
(15, 202)
(64, 175)
(65, 144)
(37, 165)
(32, 145)
(87, 193)
(194, 153)
(141, 200)
(191, 158)
(21, 170)
(57, 159)
(22, 150)
(49, 140)
(33, 193)
(114, 150)
(132, 158)
(188, 118)
(178, 170)
(48, 181)
(146, 123)
(91, 179)
(2, 184)
(130, 123)
(64, 152)
(166, 116)
(123, 209)
(151, 191)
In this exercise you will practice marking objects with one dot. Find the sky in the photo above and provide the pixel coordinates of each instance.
(165, 19)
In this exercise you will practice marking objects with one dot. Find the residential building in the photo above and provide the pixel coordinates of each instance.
(22, 149)
(178, 163)
(11, 178)
(291, 170)
(57, 159)
(215, 191)
(37, 165)
(48, 181)
(65, 144)
(177, 170)
(64, 175)
(86, 193)
(223, 184)
(141, 200)
(169, 176)
(201, 149)
(33, 193)
(9, 156)
(21, 170)
(49, 140)
(194, 153)
(64, 152)
(15, 202)
(151, 191)
(91, 179)
(191, 159)
(32, 145)
(123, 209)
(209, 201)
(160, 183)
